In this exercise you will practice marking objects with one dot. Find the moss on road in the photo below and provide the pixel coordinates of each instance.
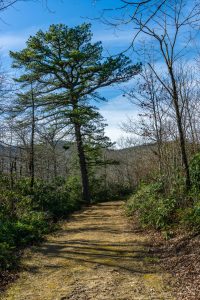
(95, 256)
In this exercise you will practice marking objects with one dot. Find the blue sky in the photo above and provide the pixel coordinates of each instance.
(27, 17)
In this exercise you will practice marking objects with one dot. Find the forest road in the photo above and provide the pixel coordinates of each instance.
(95, 256)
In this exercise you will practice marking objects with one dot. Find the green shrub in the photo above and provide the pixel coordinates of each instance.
(191, 217)
(74, 191)
(7, 232)
(195, 172)
(31, 227)
(151, 207)
(7, 258)
(58, 198)
(111, 191)
(155, 208)
(27, 214)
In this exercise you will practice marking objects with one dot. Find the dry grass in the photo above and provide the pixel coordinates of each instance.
(95, 256)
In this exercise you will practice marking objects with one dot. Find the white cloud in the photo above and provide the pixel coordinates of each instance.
(116, 111)
(11, 41)
(15, 40)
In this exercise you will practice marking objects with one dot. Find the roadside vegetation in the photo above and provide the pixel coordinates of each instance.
(166, 211)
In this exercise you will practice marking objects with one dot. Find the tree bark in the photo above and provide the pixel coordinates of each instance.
(180, 130)
(82, 163)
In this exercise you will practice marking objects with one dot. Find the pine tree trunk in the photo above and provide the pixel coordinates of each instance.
(83, 166)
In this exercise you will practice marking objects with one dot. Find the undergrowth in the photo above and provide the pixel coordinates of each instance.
(164, 208)
(26, 214)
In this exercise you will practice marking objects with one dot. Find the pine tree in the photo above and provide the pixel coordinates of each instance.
(70, 69)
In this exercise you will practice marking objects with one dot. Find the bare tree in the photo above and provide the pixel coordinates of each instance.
(52, 134)
(126, 13)
(4, 4)
(166, 29)
(153, 103)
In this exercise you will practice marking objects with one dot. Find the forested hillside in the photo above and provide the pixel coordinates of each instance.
(57, 158)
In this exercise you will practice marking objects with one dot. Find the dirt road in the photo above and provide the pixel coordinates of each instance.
(95, 256)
